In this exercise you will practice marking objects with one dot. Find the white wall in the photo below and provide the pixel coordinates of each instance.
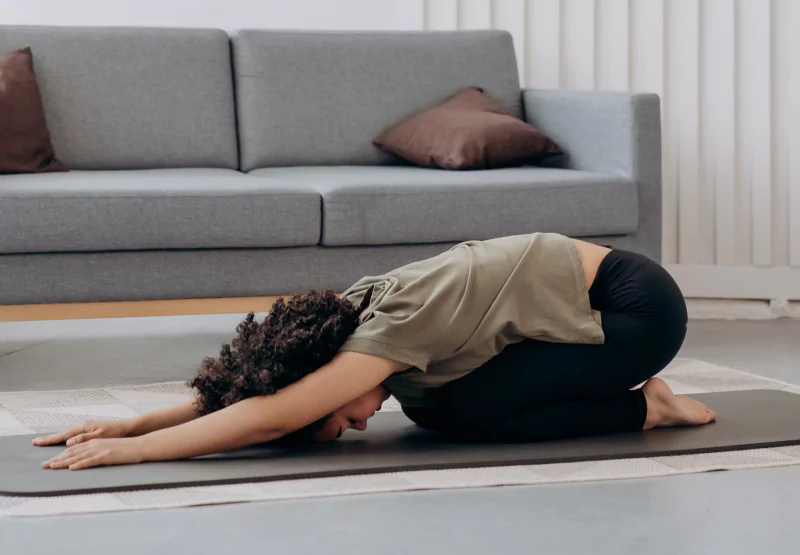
(726, 70)
(224, 14)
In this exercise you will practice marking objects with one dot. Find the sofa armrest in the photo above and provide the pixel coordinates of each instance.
(612, 133)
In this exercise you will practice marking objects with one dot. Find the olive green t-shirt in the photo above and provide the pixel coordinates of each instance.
(447, 315)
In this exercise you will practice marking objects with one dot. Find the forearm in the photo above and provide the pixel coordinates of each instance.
(236, 426)
(165, 418)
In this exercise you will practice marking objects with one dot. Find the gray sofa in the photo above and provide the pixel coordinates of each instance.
(205, 165)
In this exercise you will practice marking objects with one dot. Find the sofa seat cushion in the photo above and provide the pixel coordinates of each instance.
(381, 205)
(153, 209)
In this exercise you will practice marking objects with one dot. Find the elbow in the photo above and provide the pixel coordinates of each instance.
(258, 422)
(264, 435)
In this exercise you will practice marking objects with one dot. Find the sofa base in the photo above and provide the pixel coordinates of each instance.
(197, 274)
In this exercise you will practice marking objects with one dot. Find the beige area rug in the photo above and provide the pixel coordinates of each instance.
(46, 411)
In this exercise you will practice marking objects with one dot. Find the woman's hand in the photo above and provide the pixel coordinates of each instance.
(98, 452)
(91, 429)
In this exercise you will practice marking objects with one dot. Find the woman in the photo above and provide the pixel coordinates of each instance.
(522, 338)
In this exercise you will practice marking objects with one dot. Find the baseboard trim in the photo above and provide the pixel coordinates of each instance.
(734, 309)
(781, 283)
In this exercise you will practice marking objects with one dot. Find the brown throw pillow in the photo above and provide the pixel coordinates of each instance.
(25, 145)
(467, 132)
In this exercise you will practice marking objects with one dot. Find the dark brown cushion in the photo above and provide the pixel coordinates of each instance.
(25, 145)
(467, 132)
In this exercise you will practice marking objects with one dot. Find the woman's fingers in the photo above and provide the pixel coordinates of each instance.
(80, 438)
(96, 460)
(60, 437)
(97, 452)
(78, 458)
(66, 454)
(74, 435)
(64, 463)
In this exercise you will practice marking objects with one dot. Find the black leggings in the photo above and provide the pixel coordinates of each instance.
(537, 390)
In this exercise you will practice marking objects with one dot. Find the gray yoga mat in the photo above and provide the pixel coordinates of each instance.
(745, 420)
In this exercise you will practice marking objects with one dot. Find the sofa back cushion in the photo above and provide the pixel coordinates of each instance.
(316, 98)
(132, 98)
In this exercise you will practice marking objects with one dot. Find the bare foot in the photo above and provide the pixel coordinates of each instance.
(664, 408)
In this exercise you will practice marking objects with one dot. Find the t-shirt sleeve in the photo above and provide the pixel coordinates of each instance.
(415, 320)
(391, 337)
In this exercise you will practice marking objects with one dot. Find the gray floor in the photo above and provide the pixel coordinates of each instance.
(731, 512)
(769, 348)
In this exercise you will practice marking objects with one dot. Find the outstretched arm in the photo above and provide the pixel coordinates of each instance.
(165, 418)
(137, 426)
(256, 420)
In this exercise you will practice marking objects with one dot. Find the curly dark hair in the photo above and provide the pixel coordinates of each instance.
(296, 338)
